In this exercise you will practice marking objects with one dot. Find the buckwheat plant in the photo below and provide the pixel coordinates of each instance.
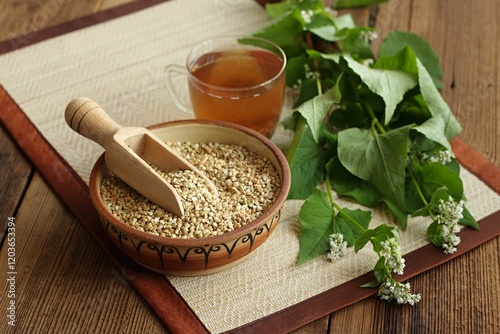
(374, 129)
(392, 259)
(321, 216)
(385, 242)
(391, 251)
(449, 213)
(400, 292)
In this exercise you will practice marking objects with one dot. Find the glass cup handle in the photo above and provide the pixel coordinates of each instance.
(171, 69)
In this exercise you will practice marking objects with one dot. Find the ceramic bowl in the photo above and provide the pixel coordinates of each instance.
(191, 257)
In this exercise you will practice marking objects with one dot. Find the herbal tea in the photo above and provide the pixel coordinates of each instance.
(243, 86)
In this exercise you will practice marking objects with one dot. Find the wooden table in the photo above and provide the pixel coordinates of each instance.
(73, 287)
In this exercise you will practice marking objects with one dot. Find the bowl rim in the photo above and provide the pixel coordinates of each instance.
(206, 241)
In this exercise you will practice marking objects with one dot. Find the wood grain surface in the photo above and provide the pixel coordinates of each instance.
(66, 284)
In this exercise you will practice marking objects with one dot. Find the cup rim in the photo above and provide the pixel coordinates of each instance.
(280, 53)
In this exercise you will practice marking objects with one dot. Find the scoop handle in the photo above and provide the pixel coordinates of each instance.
(88, 119)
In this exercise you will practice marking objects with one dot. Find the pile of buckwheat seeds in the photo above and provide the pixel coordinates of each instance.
(247, 183)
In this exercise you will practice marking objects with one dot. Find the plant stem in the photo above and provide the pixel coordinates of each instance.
(337, 207)
(329, 188)
(419, 191)
(420, 194)
(374, 130)
(318, 84)
(374, 119)
(345, 215)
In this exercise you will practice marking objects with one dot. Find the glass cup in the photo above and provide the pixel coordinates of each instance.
(236, 79)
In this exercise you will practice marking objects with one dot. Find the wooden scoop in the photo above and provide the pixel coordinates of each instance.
(128, 152)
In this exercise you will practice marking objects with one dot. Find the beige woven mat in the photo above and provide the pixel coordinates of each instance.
(120, 64)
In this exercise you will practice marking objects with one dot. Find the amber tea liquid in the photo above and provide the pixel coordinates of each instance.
(243, 86)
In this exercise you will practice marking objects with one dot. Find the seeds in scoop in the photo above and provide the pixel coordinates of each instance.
(248, 184)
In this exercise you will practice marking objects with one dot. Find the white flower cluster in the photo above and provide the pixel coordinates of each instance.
(449, 214)
(338, 246)
(368, 36)
(443, 157)
(309, 74)
(393, 256)
(400, 292)
(306, 15)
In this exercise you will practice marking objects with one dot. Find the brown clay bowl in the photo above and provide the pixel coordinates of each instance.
(191, 257)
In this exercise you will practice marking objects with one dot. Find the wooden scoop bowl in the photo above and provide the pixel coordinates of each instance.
(128, 150)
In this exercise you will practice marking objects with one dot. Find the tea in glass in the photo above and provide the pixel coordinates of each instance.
(236, 79)
(242, 86)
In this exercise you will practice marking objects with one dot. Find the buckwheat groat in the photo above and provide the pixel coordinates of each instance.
(248, 185)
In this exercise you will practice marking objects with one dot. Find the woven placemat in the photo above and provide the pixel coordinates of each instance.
(123, 70)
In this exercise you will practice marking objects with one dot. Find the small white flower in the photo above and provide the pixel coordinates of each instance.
(391, 251)
(400, 292)
(338, 246)
(311, 75)
(308, 72)
(368, 36)
(297, 84)
(450, 211)
(306, 15)
(443, 157)
(449, 214)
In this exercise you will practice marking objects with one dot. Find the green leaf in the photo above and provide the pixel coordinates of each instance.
(468, 220)
(352, 231)
(356, 3)
(438, 195)
(363, 240)
(335, 57)
(295, 69)
(347, 184)
(350, 115)
(275, 10)
(308, 90)
(406, 59)
(316, 219)
(344, 22)
(315, 110)
(314, 5)
(380, 271)
(398, 212)
(435, 234)
(322, 25)
(453, 165)
(353, 43)
(379, 159)
(437, 105)
(306, 161)
(376, 235)
(433, 176)
(433, 129)
(371, 284)
(397, 40)
(412, 110)
(286, 31)
(403, 60)
(388, 84)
